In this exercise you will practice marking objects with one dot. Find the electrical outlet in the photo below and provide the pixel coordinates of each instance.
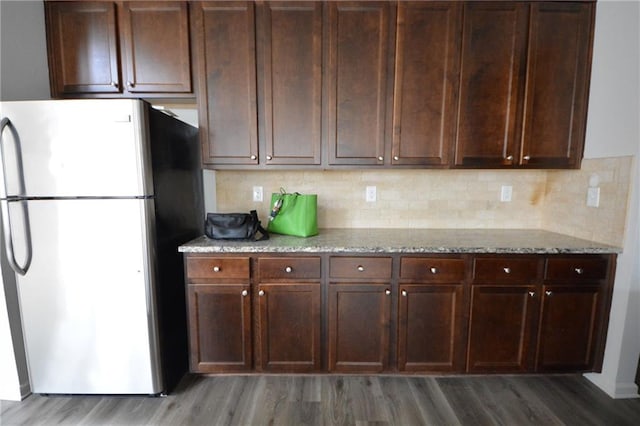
(257, 194)
(505, 193)
(593, 197)
(370, 194)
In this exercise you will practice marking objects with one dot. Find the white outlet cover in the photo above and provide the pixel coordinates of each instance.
(257, 194)
(370, 194)
(505, 193)
(593, 197)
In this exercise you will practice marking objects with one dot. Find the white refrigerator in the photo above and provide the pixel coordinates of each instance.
(95, 197)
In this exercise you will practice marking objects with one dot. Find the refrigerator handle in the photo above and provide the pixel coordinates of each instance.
(4, 204)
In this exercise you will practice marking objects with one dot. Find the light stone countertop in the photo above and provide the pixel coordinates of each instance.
(360, 240)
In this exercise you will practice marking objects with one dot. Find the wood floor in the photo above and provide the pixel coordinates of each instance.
(342, 400)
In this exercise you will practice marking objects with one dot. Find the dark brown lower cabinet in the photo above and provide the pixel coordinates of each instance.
(220, 328)
(500, 324)
(289, 324)
(431, 328)
(359, 316)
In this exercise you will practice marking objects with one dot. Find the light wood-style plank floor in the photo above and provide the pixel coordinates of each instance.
(342, 400)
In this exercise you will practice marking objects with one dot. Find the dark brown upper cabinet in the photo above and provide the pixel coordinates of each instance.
(359, 46)
(225, 53)
(425, 89)
(107, 49)
(290, 82)
(557, 85)
(524, 83)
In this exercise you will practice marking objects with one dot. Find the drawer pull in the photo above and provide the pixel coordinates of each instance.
(548, 293)
(387, 292)
(380, 158)
(244, 293)
(433, 270)
(261, 293)
(253, 157)
(532, 293)
(507, 270)
(526, 157)
(360, 268)
(216, 269)
(579, 271)
(404, 293)
(288, 269)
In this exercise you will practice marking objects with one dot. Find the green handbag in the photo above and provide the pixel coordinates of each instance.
(294, 214)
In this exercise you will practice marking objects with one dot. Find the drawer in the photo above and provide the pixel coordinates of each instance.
(432, 269)
(505, 270)
(218, 267)
(289, 267)
(360, 267)
(576, 268)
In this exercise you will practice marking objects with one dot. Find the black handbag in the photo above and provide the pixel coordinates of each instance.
(234, 226)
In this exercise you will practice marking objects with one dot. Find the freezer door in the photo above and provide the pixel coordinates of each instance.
(77, 148)
(87, 300)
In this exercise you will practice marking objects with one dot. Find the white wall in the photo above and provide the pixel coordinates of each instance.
(613, 129)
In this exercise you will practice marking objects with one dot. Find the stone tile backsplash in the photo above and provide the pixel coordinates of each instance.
(551, 200)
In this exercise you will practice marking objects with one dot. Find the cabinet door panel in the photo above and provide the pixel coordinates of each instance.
(557, 84)
(428, 43)
(430, 329)
(219, 328)
(358, 328)
(83, 50)
(500, 328)
(291, 58)
(493, 61)
(227, 71)
(568, 326)
(156, 46)
(289, 327)
(357, 98)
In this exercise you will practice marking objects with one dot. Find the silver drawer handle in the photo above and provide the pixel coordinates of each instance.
(433, 270)
(526, 157)
(244, 293)
(396, 158)
(507, 270)
(288, 269)
(387, 292)
(404, 293)
(261, 293)
(216, 269)
(253, 157)
(510, 158)
(579, 271)
(360, 268)
(548, 293)
(269, 157)
(380, 158)
(532, 293)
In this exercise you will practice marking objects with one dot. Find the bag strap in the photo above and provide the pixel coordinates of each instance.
(265, 234)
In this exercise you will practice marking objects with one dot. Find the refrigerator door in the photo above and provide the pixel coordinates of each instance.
(76, 148)
(87, 300)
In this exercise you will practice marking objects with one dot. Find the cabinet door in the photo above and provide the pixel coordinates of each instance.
(500, 328)
(289, 316)
(431, 329)
(357, 97)
(427, 66)
(568, 328)
(219, 328)
(82, 47)
(290, 56)
(493, 61)
(359, 316)
(155, 46)
(225, 39)
(557, 84)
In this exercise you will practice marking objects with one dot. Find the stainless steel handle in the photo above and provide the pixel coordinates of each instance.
(548, 293)
(360, 268)
(216, 269)
(387, 292)
(288, 269)
(404, 293)
(244, 293)
(261, 293)
(433, 270)
(4, 203)
(579, 271)
(507, 270)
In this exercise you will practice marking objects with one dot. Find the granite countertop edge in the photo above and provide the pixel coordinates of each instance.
(418, 241)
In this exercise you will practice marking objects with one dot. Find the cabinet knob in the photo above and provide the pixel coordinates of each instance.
(433, 270)
(381, 158)
(396, 158)
(404, 293)
(253, 157)
(114, 84)
(510, 158)
(216, 269)
(526, 157)
(130, 84)
(269, 157)
(244, 293)
(579, 271)
(532, 293)
(360, 268)
(387, 292)
(548, 293)
(507, 270)
(288, 269)
(261, 293)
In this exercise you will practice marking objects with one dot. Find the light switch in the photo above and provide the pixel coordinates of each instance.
(593, 197)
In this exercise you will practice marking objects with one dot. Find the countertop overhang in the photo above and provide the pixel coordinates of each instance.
(391, 240)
